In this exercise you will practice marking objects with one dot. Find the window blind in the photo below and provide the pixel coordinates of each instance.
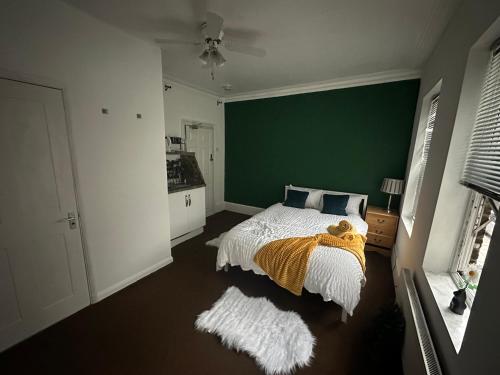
(429, 128)
(482, 165)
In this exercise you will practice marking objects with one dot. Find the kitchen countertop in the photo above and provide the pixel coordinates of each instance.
(183, 187)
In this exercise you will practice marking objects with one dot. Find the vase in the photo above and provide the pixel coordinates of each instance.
(457, 304)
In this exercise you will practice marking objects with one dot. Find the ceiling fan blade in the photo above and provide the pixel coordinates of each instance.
(243, 48)
(214, 25)
(246, 35)
(177, 41)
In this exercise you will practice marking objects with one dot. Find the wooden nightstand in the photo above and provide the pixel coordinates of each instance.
(382, 227)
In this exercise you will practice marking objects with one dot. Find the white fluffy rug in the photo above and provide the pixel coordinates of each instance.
(278, 340)
(216, 241)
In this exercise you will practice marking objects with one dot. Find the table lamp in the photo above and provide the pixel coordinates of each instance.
(392, 186)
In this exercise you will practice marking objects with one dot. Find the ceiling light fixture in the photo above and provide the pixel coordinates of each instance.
(212, 58)
(204, 57)
(217, 58)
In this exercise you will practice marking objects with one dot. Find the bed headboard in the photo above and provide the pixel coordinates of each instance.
(364, 197)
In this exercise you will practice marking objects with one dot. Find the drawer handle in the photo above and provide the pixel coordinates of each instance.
(379, 231)
(380, 221)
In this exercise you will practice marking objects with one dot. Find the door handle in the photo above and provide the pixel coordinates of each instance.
(186, 200)
(189, 195)
(70, 219)
(211, 157)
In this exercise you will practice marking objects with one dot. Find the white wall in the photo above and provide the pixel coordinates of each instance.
(185, 103)
(120, 161)
(479, 353)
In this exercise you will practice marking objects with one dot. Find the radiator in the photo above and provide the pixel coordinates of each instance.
(419, 355)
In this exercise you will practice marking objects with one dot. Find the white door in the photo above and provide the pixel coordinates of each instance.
(200, 140)
(42, 269)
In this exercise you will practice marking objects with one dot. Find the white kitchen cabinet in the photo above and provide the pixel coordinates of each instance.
(178, 213)
(196, 212)
(187, 211)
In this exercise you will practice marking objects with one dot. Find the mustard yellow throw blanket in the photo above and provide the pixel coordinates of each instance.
(285, 261)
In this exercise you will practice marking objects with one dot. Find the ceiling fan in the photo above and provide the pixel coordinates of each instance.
(212, 38)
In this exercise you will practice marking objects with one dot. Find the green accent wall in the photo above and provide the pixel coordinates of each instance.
(346, 140)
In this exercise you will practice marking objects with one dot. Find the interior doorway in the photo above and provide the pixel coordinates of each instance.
(42, 268)
(200, 140)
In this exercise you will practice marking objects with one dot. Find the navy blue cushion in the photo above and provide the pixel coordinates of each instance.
(296, 198)
(335, 204)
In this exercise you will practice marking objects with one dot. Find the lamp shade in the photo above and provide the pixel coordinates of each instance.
(392, 186)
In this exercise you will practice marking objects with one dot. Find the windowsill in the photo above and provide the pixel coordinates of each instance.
(443, 286)
(408, 223)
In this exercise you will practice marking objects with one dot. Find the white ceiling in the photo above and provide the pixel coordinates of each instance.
(306, 40)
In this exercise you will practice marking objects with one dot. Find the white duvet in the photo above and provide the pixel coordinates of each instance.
(334, 273)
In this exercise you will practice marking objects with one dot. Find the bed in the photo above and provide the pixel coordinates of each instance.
(333, 273)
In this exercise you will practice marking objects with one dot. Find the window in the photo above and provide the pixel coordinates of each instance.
(424, 155)
(482, 175)
(473, 246)
(464, 219)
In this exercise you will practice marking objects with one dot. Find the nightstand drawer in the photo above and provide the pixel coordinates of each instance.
(379, 240)
(379, 224)
(382, 231)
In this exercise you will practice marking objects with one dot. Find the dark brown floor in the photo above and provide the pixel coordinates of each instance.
(147, 328)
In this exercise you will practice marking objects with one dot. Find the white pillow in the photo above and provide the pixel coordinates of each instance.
(313, 199)
(353, 203)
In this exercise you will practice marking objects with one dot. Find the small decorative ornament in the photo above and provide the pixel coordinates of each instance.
(457, 304)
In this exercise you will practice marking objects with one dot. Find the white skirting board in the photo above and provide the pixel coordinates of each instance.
(243, 209)
(221, 206)
(186, 237)
(217, 208)
(130, 280)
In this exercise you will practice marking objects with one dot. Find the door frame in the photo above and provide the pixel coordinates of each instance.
(62, 87)
(201, 124)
